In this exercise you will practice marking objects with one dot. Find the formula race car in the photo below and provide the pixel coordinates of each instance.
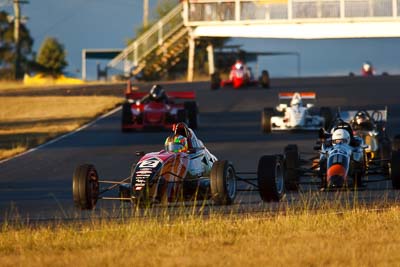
(185, 170)
(240, 76)
(340, 164)
(367, 69)
(158, 109)
(296, 115)
(370, 125)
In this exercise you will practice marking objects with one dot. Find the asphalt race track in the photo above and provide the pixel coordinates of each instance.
(38, 184)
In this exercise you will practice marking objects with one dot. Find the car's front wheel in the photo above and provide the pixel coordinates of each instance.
(223, 183)
(266, 115)
(270, 177)
(395, 169)
(85, 186)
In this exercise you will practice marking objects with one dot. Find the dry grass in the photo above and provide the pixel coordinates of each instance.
(351, 238)
(29, 121)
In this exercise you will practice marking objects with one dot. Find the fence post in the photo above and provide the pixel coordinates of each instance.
(290, 9)
(342, 9)
(160, 32)
(135, 54)
(237, 10)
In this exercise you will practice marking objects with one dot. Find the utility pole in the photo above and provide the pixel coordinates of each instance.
(17, 23)
(145, 13)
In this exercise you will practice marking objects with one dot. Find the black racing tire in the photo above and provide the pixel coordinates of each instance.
(264, 79)
(223, 183)
(270, 178)
(358, 180)
(326, 113)
(85, 187)
(396, 143)
(126, 116)
(322, 173)
(292, 164)
(395, 169)
(215, 81)
(192, 114)
(385, 152)
(266, 115)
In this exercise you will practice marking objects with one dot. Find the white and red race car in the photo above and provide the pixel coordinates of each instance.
(293, 113)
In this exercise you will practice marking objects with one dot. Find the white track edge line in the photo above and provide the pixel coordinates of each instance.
(63, 136)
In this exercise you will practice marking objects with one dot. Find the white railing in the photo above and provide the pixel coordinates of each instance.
(150, 40)
(199, 12)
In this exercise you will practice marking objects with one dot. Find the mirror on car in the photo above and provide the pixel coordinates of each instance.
(140, 153)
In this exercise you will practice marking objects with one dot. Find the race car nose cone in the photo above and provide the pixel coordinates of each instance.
(336, 181)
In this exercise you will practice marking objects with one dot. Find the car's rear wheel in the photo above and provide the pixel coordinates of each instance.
(385, 152)
(266, 115)
(292, 163)
(264, 79)
(270, 178)
(396, 143)
(85, 186)
(395, 169)
(192, 114)
(223, 183)
(126, 116)
(215, 81)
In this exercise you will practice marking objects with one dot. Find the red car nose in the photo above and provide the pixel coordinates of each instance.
(336, 175)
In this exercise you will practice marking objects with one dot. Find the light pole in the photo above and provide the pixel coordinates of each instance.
(145, 13)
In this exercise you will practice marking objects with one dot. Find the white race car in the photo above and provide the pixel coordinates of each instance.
(295, 115)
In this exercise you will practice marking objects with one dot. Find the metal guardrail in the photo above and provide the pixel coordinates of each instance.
(200, 12)
(150, 40)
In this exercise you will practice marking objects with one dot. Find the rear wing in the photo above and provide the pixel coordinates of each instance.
(135, 95)
(303, 95)
(132, 93)
(378, 115)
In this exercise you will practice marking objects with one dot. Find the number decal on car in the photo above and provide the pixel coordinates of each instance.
(149, 163)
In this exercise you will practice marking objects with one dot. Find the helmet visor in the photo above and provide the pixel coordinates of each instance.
(175, 147)
(339, 141)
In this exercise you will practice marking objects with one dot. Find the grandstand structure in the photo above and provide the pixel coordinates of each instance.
(162, 45)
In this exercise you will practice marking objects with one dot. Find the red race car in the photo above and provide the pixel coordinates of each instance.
(158, 109)
(240, 76)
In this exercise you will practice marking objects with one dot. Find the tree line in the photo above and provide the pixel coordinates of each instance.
(50, 59)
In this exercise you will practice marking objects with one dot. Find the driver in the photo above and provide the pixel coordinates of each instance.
(239, 65)
(296, 101)
(157, 94)
(367, 69)
(362, 121)
(176, 143)
(340, 136)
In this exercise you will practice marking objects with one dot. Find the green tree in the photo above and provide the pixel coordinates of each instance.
(52, 56)
(7, 47)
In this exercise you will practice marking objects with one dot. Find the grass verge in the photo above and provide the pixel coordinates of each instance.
(26, 122)
(326, 238)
